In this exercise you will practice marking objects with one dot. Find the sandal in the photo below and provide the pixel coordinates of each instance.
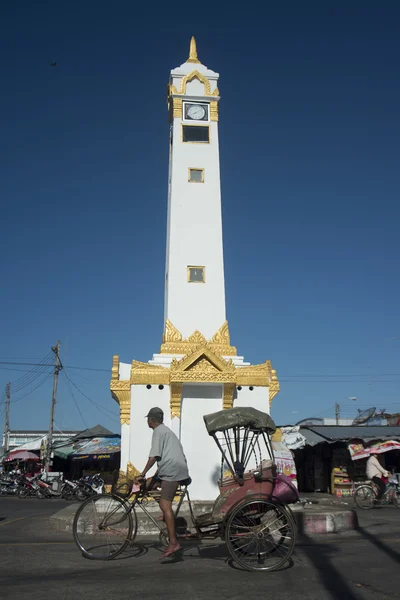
(170, 551)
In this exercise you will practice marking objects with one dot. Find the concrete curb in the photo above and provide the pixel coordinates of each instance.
(310, 520)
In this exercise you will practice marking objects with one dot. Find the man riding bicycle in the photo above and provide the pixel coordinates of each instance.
(375, 472)
(167, 451)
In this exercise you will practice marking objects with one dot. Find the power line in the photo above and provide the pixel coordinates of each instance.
(76, 404)
(101, 408)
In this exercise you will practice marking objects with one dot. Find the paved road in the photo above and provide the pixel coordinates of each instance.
(37, 562)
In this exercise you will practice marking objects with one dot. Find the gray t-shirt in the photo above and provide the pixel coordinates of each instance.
(171, 461)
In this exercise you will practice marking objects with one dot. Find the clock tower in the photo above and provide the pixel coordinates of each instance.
(197, 371)
(194, 280)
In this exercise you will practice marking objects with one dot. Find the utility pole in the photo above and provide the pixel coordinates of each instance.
(57, 369)
(7, 423)
(337, 412)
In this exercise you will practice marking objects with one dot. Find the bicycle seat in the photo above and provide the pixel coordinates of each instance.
(186, 482)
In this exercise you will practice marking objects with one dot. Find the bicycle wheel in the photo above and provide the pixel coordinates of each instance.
(104, 526)
(260, 535)
(396, 498)
(365, 497)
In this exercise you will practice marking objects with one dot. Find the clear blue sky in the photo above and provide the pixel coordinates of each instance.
(310, 187)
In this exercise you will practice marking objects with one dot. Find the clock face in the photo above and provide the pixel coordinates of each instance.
(197, 112)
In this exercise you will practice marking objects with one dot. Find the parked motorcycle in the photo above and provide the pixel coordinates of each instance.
(8, 485)
(89, 485)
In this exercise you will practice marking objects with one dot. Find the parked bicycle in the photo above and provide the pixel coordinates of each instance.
(366, 495)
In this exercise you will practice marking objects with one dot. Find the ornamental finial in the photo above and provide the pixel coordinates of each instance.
(193, 58)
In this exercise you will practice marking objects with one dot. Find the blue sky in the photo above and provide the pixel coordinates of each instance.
(309, 137)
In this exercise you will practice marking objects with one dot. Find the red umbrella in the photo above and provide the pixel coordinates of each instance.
(20, 455)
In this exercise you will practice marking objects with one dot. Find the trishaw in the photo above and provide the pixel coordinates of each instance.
(251, 512)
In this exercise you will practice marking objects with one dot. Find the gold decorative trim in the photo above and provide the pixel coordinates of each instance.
(121, 392)
(189, 77)
(177, 108)
(115, 367)
(171, 334)
(254, 375)
(222, 336)
(274, 386)
(128, 475)
(144, 373)
(214, 110)
(220, 343)
(193, 58)
(175, 399)
(229, 389)
(202, 365)
(196, 169)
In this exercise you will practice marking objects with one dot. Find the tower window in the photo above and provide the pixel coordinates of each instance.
(196, 133)
(196, 175)
(196, 274)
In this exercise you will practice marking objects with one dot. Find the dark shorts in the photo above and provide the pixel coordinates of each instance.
(168, 489)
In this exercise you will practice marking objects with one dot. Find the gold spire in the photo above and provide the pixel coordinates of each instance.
(193, 58)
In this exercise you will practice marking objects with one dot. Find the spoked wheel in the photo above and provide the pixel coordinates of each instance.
(365, 497)
(103, 527)
(164, 537)
(260, 535)
(396, 498)
(23, 491)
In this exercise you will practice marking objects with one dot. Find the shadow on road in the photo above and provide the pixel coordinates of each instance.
(320, 555)
(379, 544)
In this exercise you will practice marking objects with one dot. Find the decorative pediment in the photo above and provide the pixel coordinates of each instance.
(202, 365)
(173, 342)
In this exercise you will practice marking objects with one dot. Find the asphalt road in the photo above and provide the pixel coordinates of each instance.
(38, 562)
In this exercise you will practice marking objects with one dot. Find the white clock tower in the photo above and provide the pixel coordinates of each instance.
(197, 371)
(194, 282)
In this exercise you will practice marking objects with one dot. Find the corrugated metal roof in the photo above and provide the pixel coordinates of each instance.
(312, 438)
(331, 433)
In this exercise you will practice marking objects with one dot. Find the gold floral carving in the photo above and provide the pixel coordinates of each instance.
(222, 335)
(174, 344)
(229, 389)
(175, 399)
(214, 111)
(144, 373)
(121, 392)
(128, 475)
(115, 367)
(189, 77)
(171, 333)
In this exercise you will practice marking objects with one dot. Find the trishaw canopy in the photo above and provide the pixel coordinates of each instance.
(242, 416)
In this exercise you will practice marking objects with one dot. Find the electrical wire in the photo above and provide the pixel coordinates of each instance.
(73, 397)
(101, 408)
(46, 378)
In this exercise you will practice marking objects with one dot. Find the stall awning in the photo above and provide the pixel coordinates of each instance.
(341, 433)
(98, 449)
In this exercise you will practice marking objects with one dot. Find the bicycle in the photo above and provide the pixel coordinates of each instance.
(366, 495)
(258, 528)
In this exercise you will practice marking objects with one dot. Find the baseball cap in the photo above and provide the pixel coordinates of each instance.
(156, 413)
